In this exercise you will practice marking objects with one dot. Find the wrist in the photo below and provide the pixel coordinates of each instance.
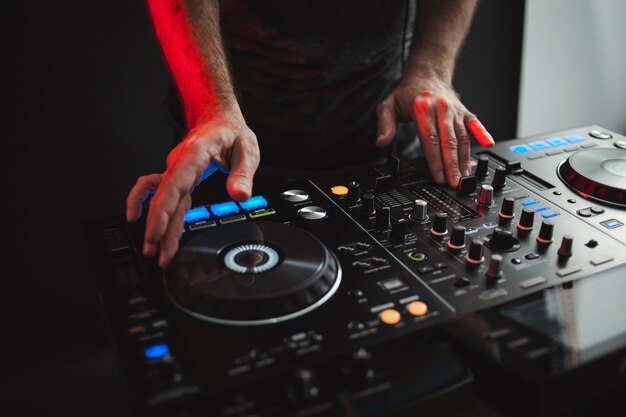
(419, 73)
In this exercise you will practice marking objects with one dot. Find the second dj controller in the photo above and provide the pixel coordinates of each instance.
(316, 294)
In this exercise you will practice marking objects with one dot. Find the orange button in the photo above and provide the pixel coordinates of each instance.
(339, 190)
(417, 308)
(390, 316)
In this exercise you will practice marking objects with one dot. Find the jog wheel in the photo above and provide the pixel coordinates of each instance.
(597, 174)
(252, 273)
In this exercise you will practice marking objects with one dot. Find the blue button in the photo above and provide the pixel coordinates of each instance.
(557, 141)
(520, 149)
(224, 209)
(253, 203)
(539, 145)
(549, 214)
(527, 203)
(197, 213)
(611, 223)
(541, 208)
(573, 138)
(156, 351)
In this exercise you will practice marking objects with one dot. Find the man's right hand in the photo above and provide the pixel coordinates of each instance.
(226, 141)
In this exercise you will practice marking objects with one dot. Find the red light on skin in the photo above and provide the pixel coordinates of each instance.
(480, 133)
(196, 89)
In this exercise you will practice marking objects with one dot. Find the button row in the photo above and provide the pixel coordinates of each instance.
(545, 144)
(225, 209)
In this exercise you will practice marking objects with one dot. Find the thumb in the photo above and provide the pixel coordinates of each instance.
(386, 123)
(243, 165)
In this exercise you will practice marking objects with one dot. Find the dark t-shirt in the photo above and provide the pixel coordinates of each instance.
(310, 73)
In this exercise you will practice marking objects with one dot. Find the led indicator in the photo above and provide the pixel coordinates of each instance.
(520, 149)
(539, 145)
(573, 138)
(557, 141)
(195, 214)
(156, 351)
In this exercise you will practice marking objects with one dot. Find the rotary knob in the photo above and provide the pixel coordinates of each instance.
(501, 240)
(526, 220)
(494, 270)
(367, 207)
(457, 237)
(439, 225)
(499, 178)
(565, 251)
(475, 252)
(485, 198)
(354, 192)
(420, 208)
(482, 166)
(506, 210)
(383, 218)
(546, 232)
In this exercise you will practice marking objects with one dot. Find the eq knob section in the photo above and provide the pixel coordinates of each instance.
(457, 238)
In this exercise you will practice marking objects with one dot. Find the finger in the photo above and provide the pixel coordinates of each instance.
(177, 181)
(479, 132)
(169, 243)
(463, 140)
(244, 163)
(142, 188)
(386, 123)
(449, 145)
(427, 131)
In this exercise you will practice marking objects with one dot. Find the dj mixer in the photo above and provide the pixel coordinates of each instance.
(372, 290)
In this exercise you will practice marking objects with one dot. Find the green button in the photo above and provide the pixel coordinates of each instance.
(260, 213)
(418, 256)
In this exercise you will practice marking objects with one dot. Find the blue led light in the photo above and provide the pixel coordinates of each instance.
(519, 149)
(540, 144)
(549, 214)
(253, 203)
(224, 209)
(557, 141)
(526, 203)
(541, 208)
(156, 351)
(573, 138)
(196, 214)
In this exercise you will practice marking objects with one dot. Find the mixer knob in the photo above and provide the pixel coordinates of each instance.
(457, 237)
(546, 232)
(499, 178)
(368, 208)
(383, 218)
(501, 240)
(398, 231)
(475, 252)
(494, 270)
(481, 167)
(439, 225)
(467, 185)
(485, 198)
(506, 211)
(565, 250)
(354, 192)
(420, 208)
(527, 219)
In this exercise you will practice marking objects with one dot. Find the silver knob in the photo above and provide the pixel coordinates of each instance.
(420, 208)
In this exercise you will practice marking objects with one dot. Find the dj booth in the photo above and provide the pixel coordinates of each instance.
(378, 293)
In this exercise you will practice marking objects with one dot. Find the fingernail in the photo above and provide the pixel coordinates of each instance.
(455, 182)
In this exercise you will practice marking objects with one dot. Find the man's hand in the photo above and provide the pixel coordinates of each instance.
(230, 143)
(443, 125)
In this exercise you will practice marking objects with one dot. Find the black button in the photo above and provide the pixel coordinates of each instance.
(532, 256)
(597, 210)
(462, 282)
(516, 261)
(425, 269)
(571, 200)
(584, 212)
(592, 243)
(440, 265)
(557, 192)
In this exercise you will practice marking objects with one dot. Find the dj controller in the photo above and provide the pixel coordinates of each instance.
(370, 291)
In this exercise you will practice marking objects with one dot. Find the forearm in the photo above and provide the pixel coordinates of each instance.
(189, 35)
(440, 29)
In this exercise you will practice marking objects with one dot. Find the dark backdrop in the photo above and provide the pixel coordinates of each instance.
(83, 87)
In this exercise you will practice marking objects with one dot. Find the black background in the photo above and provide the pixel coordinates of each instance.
(84, 85)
